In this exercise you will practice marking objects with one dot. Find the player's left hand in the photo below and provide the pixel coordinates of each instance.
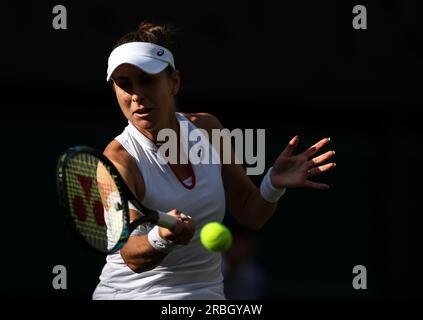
(293, 171)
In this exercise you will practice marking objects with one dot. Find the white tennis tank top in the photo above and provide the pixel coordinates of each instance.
(190, 271)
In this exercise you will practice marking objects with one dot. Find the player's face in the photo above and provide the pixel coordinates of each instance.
(148, 101)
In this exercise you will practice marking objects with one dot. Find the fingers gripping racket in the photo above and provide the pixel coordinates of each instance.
(96, 200)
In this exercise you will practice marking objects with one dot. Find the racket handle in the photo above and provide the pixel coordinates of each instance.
(166, 220)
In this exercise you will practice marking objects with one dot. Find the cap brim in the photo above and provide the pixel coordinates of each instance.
(146, 64)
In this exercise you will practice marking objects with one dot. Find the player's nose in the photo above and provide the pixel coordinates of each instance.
(138, 97)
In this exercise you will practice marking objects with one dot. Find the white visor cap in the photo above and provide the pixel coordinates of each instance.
(149, 57)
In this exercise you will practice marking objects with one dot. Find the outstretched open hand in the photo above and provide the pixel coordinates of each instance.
(293, 171)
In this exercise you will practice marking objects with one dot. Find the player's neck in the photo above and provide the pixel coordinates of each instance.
(170, 123)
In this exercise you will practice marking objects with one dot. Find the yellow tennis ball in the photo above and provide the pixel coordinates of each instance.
(216, 237)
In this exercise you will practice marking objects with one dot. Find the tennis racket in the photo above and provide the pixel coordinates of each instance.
(96, 200)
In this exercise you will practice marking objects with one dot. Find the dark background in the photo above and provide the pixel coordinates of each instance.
(295, 67)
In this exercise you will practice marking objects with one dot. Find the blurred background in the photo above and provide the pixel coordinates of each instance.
(291, 68)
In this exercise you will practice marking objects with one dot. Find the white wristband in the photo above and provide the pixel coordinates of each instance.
(158, 242)
(131, 206)
(268, 191)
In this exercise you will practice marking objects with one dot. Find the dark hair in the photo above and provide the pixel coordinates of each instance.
(163, 35)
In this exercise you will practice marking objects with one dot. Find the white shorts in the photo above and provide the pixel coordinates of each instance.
(104, 292)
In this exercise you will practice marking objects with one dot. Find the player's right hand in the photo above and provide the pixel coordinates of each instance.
(182, 232)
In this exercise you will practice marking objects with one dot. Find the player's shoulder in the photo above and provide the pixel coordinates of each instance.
(204, 120)
(116, 153)
(126, 166)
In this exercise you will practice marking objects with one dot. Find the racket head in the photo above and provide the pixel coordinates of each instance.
(93, 196)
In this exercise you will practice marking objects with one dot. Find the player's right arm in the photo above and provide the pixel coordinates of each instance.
(138, 253)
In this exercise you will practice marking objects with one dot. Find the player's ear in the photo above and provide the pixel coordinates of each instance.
(175, 77)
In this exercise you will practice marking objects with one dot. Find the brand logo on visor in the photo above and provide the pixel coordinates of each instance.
(160, 52)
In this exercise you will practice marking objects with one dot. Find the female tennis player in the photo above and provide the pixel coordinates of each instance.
(160, 263)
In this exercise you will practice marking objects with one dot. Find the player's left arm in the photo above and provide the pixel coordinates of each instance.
(243, 197)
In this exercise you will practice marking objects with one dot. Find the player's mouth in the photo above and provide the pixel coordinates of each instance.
(142, 113)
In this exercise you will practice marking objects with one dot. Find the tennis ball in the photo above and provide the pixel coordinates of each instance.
(216, 237)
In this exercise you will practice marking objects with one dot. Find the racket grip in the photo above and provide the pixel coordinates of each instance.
(166, 220)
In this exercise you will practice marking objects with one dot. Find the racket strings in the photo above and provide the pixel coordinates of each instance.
(95, 202)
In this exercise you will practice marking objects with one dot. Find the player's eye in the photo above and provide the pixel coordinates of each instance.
(146, 80)
(124, 84)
